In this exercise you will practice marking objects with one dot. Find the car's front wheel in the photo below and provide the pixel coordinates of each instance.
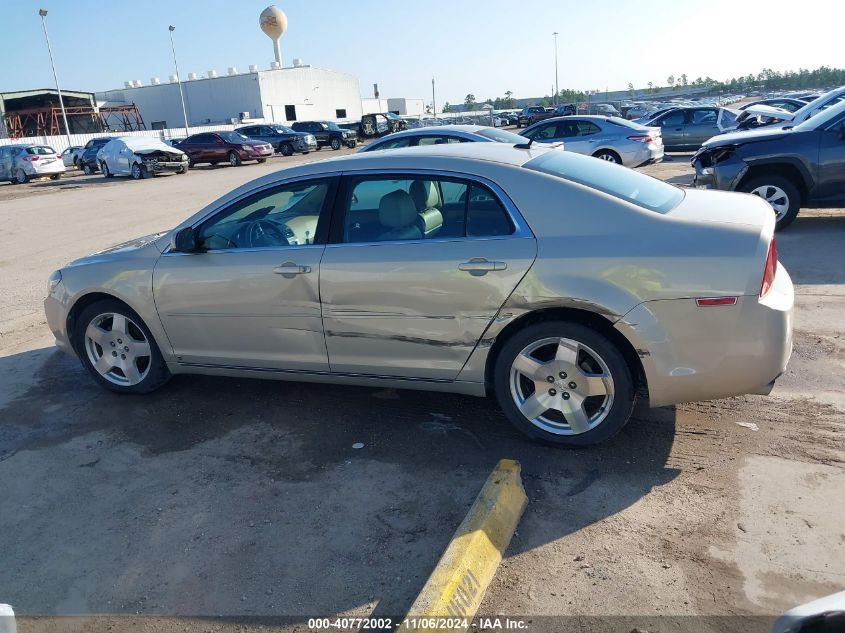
(336, 144)
(564, 383)
(234, 159)
(86, 169)
(106, 171)
(780, 193)
(286, 149)
(117, 349)
(138, 171)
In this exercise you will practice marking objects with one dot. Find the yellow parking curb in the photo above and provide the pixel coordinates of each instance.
(456, 586)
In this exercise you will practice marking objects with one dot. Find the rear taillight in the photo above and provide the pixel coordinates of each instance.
(770, 269)
(31, 158)
(641, 138)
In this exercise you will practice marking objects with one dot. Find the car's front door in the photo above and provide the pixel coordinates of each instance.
(5, 163)
(831, 172)
(251, 298)
(672, 127)
(417, 267)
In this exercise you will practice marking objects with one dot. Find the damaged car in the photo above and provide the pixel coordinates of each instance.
(140, 157)
(788, 166)
(379, 124)
(686, 128)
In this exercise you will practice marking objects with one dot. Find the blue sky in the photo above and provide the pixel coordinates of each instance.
(483, 47)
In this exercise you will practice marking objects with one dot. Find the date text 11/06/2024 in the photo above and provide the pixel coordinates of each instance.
(411, 623)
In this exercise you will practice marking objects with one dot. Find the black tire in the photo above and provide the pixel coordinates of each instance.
(319, 147)
(183, 170)
(286, 149)
(352, 144)
(335, 144)
(608, 155)
(105, 169)
(86, 169)
(20, 177)
(138, 171)
(262, 160)
(624, 392)
(234, 159)
(55, 176)
(157, 373)
(791, 192)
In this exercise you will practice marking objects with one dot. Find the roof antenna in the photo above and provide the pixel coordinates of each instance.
(524, 145)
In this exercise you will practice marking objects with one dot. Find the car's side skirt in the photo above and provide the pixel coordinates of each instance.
(364, 380)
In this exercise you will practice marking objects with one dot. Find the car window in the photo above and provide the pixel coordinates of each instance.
(437, 140)
(391, 144)
(40, 150)
(586, 128)
(283, 216)
(704, 117)
(486, 217)
(623, 183)
(673, 118)
(546, 131)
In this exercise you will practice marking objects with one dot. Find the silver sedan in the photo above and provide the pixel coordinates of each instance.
(566, 286)
(609, 138)
(420, 137)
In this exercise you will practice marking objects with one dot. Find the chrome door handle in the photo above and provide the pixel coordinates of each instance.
(290, 270)
(478, 266)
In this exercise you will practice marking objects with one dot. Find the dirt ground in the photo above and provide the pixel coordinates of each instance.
(219, 504)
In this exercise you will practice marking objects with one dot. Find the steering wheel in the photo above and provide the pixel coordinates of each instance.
(266, 233)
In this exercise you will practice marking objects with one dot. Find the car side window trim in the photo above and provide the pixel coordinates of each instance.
(338, 216)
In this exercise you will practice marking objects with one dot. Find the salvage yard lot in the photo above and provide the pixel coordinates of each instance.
(245, 498)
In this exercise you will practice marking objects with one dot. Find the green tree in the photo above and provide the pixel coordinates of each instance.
(469, 102)
(684, 80)
(631, 91)
(650, 86)
(447, 107)
(670, 81)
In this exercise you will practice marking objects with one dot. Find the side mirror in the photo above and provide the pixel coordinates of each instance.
(185, 241)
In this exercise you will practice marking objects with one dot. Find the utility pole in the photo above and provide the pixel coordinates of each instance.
(557, 88)
(43, 14)
(433, 101)
(172, 28)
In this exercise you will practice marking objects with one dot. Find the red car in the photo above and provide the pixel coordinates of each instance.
(224, 147)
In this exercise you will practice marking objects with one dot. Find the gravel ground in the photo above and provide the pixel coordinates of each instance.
(230, 505)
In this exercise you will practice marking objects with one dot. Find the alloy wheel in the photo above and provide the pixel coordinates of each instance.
(20, 176)
(561, 386)
(117, 349)
(136, 171)
(776, 197)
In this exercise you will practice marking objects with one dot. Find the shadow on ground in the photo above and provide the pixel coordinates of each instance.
(242, 498)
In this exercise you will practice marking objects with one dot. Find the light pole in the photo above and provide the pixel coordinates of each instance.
(433, 101)
(557, 88)
(43, 14)
(172, 28)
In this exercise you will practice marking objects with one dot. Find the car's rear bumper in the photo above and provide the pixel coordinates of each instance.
(692, 353)
(45, 169)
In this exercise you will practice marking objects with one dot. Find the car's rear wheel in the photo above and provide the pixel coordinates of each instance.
(336, 144)
(286, 149)
(319, 147)
(262, 160)
(105, 169)
(780, 193)
(86, 169)
(234, 159)
(20, 177)
(564, 383)
(55, 176)
(609, 155)
(117, 349)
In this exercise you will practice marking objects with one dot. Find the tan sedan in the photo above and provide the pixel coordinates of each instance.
(565, 285)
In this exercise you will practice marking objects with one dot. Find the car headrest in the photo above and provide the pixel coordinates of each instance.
(425, 195)
(396, 209)
(430, 220)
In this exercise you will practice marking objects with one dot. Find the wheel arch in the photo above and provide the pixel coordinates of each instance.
(587, 318)
(790, 170)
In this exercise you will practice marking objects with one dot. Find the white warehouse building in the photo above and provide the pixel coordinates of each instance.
(282, 95)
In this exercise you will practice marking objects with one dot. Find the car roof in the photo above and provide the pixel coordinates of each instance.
(502, 153)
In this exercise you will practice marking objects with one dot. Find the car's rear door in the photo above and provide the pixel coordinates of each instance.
(251, 298)
(702, 124)
(672, 126)
(417, 266)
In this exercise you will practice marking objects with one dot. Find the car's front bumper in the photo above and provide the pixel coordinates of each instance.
(160, 166)
(725, 175)
(692, 353)
(306, 146)
(56, 307)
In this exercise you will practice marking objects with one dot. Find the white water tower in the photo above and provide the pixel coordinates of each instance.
(274, 23)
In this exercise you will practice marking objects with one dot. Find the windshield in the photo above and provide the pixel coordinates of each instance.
(390, 115)
(332, 126)
(822, 118)
(233, 137)
(283, 129)
(501, 136)
(621, 182)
